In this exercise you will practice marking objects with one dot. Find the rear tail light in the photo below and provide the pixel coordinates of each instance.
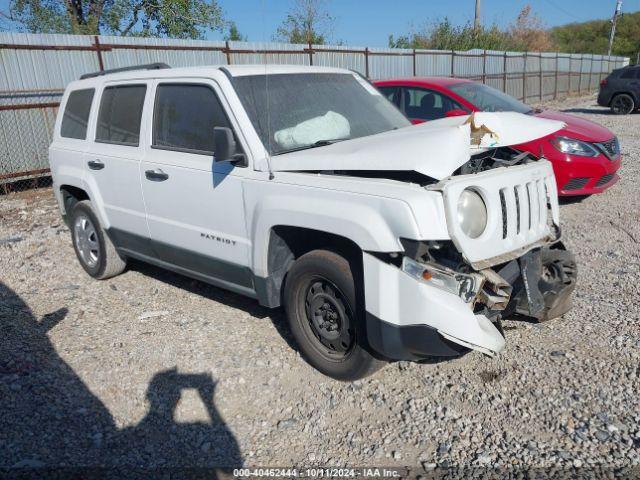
(603, 82)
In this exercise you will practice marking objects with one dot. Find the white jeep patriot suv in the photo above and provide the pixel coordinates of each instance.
(304, 187)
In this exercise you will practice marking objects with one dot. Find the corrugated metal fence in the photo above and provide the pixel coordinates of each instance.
(34, 70)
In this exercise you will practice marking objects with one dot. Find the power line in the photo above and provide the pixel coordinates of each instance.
(566, 12)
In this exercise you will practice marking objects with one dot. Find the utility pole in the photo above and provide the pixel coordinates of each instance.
(476, 22)
(616, 14)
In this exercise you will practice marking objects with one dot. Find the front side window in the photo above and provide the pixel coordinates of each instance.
(489, 99)
(185, 116)
(120, 114)
(426, 104)
(305, 110)
(76, 114)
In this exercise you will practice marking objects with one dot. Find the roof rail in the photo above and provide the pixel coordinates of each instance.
(148, 66)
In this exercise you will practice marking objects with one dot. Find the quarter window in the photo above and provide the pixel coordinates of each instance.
(120, 114)
(76, 114)
(185, 116)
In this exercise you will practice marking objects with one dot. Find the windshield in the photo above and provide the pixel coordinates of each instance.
(297, 111)
(489, 99)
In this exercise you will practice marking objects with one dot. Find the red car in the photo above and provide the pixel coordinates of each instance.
(585, 155)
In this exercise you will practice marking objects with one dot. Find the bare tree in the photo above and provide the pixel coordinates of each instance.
(308, 21)
(528, 32)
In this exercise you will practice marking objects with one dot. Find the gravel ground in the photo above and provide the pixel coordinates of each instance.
(154, 369)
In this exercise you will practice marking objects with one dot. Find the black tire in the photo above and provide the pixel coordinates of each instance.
(317, 279)
(622, 104)
(94, 249)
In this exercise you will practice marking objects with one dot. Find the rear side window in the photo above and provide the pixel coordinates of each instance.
(120, 115)
(76, 114)
(631, 73)
(184, 118)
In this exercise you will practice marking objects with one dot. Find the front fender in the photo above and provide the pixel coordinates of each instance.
(374, 223)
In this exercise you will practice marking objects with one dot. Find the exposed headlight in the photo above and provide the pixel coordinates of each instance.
(574, 147)
(472, 213)
(463, 285)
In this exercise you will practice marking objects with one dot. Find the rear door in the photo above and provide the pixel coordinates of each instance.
(195, 209)
(113, 163)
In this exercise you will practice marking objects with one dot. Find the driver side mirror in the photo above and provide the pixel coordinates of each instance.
(224, 145)
(456, 112)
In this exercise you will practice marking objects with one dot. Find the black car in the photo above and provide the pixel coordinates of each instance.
(620, 91)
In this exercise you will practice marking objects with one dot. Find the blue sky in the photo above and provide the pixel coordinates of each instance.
(369, 22)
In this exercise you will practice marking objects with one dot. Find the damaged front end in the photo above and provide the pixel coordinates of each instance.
(464, 307)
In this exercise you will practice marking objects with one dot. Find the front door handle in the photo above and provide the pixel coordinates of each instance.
(95, 164)
(156, 175)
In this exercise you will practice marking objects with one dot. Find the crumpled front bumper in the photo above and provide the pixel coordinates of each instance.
(408, 319)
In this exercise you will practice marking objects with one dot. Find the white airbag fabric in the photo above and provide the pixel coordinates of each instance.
(330, 126)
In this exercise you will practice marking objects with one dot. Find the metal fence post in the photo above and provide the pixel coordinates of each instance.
(580, 77)
(227, 51)
(453, 63)
(414, 62)
(311, 54)
(541, 74)
(555, 88)
(590, 71)
(366, 62)
(96, 42)
(484, 66)
(504, 73)
(524, 77)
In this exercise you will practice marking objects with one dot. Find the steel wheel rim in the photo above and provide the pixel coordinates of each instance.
(622, 105)
(86, 240)
(329, 318)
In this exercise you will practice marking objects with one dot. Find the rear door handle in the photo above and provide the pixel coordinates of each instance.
(156, 175)
(95, 164)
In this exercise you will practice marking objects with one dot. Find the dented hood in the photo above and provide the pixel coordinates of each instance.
(435, 149)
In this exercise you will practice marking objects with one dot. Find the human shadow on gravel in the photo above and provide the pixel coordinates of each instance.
(51, 420)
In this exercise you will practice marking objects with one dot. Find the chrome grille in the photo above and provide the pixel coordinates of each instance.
(610, 148)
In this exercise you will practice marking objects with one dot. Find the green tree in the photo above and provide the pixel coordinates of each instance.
(593, 36)
(444, 35)
(308, 21)
(233, 34)
(161, 18)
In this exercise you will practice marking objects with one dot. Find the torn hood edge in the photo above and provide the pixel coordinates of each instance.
(435, 149)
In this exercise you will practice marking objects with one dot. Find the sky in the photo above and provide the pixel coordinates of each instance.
(369, 22)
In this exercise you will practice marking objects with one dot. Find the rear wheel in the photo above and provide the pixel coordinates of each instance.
(320, 303)
(622, 104)
(94, 249)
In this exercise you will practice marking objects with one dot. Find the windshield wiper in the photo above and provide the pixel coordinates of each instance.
(319, 143)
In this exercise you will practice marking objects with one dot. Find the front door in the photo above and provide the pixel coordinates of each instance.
(194, 205)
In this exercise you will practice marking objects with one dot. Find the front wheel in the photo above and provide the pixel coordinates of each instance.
(94, 249)
(622, 104)
(321, 307)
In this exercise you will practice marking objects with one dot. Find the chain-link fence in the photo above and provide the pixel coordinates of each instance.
(36, 68)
